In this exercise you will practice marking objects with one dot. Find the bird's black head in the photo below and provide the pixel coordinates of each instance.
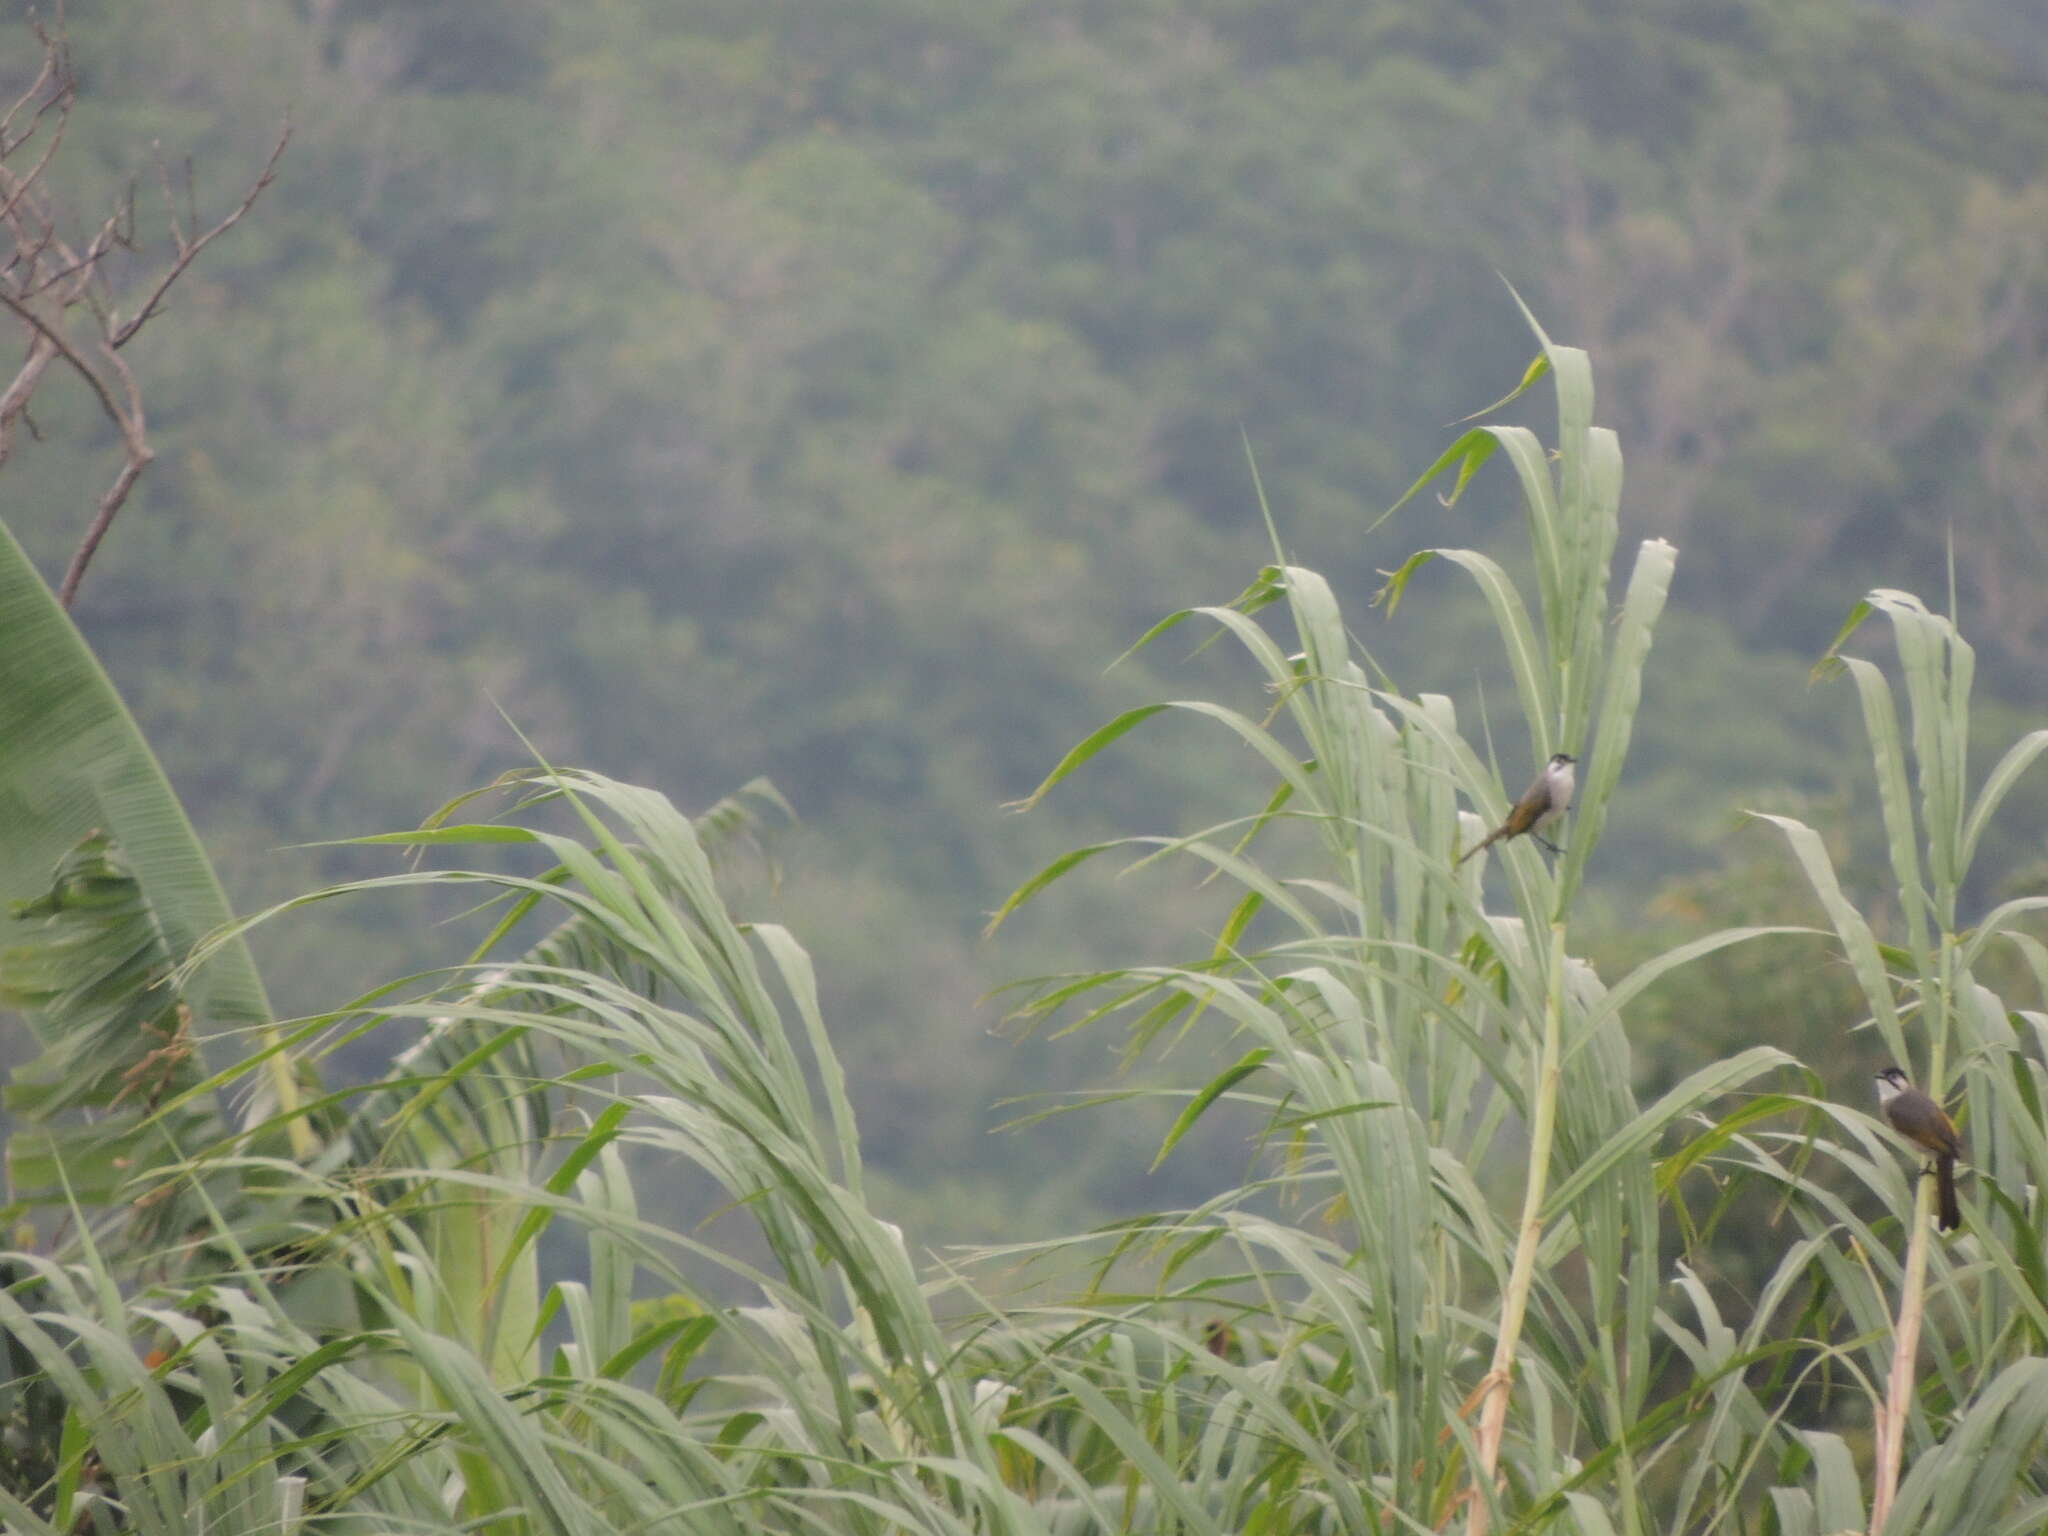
(1562, 759)
(1894, 1079)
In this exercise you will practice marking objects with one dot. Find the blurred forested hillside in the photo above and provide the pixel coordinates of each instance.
(830, 389)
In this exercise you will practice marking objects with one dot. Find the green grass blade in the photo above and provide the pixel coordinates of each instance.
(1216, 1087)
(1881, 724)
(1648, 586)
(2019, 757)
(1859, 945)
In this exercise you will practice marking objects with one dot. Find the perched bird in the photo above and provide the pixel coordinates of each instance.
(1926, 1124)
(1220, 1339)
(1541, 804)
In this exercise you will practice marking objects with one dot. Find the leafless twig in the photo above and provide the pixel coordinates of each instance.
(63, 295)
(189, 247)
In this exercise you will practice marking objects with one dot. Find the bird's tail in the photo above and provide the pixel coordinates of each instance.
(1945, 1188)
(1481, 846)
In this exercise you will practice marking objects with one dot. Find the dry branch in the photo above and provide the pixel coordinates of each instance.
(62, 294)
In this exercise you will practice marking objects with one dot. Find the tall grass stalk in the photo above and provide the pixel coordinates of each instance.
(1514, 1306)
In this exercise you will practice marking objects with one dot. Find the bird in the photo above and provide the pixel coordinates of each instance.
(1926, 1124)
(1541, 804)
(1220, 1339)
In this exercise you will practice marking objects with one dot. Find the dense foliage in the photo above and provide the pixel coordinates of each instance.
(825, 391)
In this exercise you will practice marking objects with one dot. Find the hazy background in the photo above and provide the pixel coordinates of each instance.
(831, 390)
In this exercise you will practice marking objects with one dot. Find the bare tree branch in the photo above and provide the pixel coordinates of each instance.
(64, 296)
(188, 250)
(131, 470)
(56, 69)
(54, 340)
